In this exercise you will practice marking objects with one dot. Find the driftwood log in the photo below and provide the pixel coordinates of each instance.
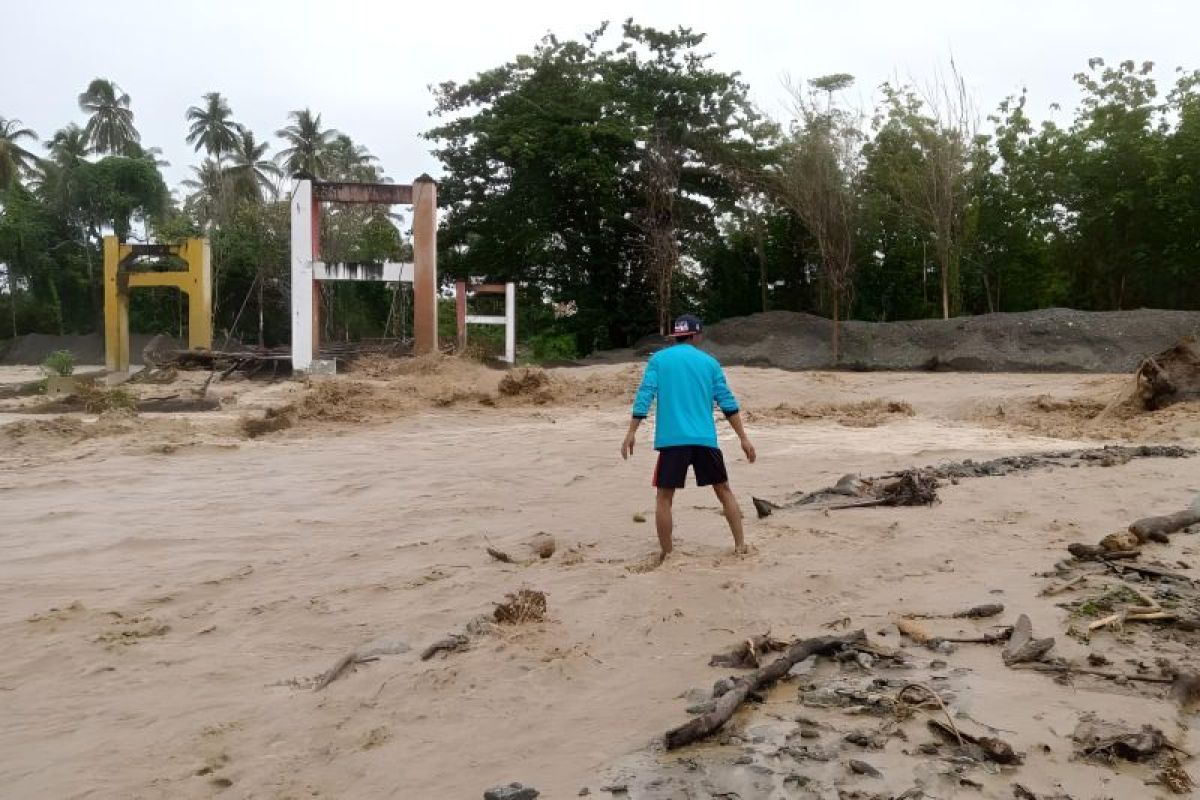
(1072, 669)
(706, 724)
(1154, 527)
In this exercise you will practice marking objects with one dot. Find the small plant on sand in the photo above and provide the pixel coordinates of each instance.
(60, 363)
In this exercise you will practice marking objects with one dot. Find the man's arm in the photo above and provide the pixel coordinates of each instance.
(641, 406)
(729, 406)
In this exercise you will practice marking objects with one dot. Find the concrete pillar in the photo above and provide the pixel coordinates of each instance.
(510, 323)
(302, 276)
(460, 310)
(425, 283)
(116, 310)
(198, 254)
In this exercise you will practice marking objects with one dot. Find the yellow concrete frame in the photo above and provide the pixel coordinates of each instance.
(196, 283)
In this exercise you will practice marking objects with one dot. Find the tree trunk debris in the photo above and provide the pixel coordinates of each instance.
(763, 677)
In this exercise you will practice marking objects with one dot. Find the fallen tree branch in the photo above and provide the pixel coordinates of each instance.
(1072, 669)
(1145, 569)
(1130, 616)
(1152, 527)
(450, 644)
(747, 653)
(761, 678)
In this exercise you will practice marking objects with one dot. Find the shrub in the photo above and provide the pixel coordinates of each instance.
(553, 347)
(60, 362)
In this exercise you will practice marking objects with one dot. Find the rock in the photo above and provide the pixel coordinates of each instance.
(543, 545)
(513, 791)
(824, 697)
(810, 733)
(865, 739)
(865, 660)
(938, 664)
(802, 668)
(743, 760)
(863, 768)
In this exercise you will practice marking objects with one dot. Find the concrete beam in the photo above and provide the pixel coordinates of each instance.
(347, 192)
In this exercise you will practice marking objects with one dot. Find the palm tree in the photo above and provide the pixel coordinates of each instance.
(110, 122)
(152, 154)
(252, 174)
(14, 159)
(308, 144)
(68, 146)
(206, 190)
(212, 126)
(349, 161)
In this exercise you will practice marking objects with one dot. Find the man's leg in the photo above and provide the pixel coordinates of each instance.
(662, 519)
(733, 515)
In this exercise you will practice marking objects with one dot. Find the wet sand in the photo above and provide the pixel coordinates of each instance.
(165, 610)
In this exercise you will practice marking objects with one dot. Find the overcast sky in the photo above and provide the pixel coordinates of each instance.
(366, 66)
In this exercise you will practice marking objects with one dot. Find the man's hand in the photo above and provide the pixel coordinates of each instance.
(630, 438)
(748, 449)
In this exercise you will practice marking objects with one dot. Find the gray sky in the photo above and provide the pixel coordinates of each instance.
(365, 66)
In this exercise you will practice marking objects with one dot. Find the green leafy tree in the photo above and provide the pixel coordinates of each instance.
(211, 126)
(110, 127)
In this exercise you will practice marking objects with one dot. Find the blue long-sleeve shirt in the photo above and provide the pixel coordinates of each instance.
(686, 382)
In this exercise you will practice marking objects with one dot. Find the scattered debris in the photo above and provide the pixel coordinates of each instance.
(992, 748)
(746, 654)
(368, 652)
(527, 605)
(863, 768)
(1022, 647)
(1110, 742)
(543, 545)
(1021, 793)
(1170, 376)
(500, 555)
(513, 791)
(1175, 778)
(761, 678)
(1073, 669)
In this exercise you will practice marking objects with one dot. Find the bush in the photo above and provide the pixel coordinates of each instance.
(553, 347)
(60, 362)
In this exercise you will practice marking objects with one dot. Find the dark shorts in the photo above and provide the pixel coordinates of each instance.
(673, 462)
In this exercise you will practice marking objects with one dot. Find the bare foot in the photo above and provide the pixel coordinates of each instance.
(649, 563)
(743, 550)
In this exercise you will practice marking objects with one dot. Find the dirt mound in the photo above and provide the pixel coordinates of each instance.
(88, 348)
(1170, 376)
(863, 414)
(1049, 340)
(524, 381)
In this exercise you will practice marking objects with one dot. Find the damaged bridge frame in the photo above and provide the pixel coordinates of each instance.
(308, 269)
(130, 266)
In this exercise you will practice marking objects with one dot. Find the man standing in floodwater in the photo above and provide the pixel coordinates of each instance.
(687, 381)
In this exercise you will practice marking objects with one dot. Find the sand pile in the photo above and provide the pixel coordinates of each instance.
(1047, 340)
(861, 414)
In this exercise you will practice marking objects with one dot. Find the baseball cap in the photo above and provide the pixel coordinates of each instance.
(686, 325)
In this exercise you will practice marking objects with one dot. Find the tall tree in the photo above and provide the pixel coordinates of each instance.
(211, 126)
(346, 160)
(15, 160)
(307, 144)
(110, 126)
(935, 181)
(817, 179)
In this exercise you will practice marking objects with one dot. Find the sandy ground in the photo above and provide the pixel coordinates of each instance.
(169, 589)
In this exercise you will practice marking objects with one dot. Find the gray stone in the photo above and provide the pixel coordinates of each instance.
(863, 768)
(513, 791)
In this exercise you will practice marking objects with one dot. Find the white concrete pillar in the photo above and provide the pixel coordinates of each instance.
(302, 276)
(510, 323)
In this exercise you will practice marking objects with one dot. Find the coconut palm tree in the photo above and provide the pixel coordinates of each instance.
(348, 161)
(212, 126)
(110, 121)
(253, 175)
(206, 189)
(68, 146)
(14, 159)
(307, 143)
